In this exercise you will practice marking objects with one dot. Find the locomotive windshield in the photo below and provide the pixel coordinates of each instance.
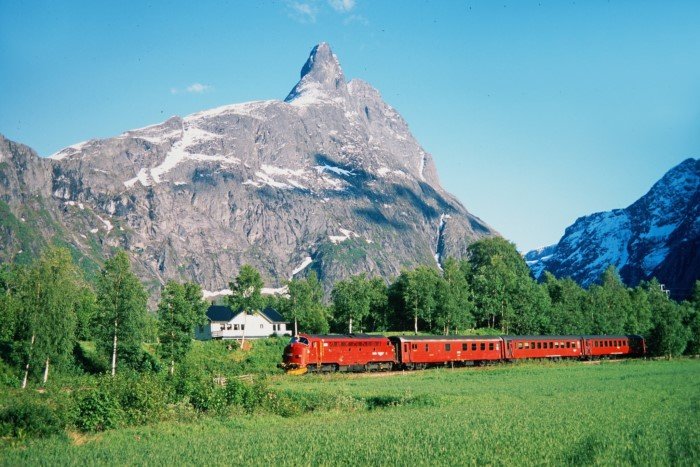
(302, 340)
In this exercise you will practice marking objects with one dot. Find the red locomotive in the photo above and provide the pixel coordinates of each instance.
(378, 353)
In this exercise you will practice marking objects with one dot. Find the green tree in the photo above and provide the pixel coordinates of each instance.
(419, 295)
(639, 319)
(121, 313)
(453, 308)
(246, 293)
(566, 301)
(10, 300)
(378, 317)
(85, 311)
(50, 293)
(609, 304)
(305, 305)
(246, 290)
(351, 300)
(504, 293)
(692, 321)
(668, 336)
(179, 311)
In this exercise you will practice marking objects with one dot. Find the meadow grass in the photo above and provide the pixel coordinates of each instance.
(632, 412)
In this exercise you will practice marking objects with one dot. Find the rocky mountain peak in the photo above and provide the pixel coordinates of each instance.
(321, 76)
(657, 236)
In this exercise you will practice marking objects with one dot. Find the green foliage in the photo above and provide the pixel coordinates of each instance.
(668, 336)
(181, 308)
(85, 311)
(99, 410)
(121, 313)
(351, 299)
(30, 419)
(305, 307)
(245, 290)
(43, 297)
(453, 308)
(505, 295)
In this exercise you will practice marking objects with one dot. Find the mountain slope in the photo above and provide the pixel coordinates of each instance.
(657, 236)
(330, 179)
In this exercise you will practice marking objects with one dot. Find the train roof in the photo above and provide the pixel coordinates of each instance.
(344, 336)
(600, 336)
(443, 338)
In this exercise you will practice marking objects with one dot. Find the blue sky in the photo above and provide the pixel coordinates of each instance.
(536, 112)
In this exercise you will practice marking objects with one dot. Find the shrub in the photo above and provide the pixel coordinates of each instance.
(209, 398)
(99, 410)
(142, 397)
(30, 419)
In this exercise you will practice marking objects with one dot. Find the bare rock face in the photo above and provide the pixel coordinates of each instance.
(329, 179)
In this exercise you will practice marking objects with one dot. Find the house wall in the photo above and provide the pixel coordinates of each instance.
(256, 326)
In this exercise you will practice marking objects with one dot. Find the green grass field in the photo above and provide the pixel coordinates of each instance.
(633, 412)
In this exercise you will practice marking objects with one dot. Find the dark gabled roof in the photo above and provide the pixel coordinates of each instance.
(273, 315)
(220, 313)
(225, 313)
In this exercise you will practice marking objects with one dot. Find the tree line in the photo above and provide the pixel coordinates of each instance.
(492, 290)
(48, 306)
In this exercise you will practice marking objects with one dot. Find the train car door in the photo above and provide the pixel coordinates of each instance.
(508, 349)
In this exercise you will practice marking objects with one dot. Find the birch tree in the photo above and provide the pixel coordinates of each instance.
(181, 308)
(49, 294)
(121, 312)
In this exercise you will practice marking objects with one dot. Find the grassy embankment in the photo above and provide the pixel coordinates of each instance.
(635, 412)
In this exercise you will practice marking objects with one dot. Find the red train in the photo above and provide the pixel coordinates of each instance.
(378, 353)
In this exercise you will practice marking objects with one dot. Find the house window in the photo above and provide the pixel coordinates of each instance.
(261, 326)
(242, 327)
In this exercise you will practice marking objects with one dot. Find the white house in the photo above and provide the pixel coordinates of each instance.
(225, 324)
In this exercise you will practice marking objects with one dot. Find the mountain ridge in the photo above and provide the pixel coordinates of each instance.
(331, 179)
(656, 236)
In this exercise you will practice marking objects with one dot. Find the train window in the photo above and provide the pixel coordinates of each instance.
(539, 345)
(532, 346)
(556, 345)
(527, 345)
(415, 346)
(447, 347)
(483, 346)
(426, 347)
(551, 345)
(465, 347)
(520, 345)
(474, 346)
(568, 345)
(573, 345)
(490, 345)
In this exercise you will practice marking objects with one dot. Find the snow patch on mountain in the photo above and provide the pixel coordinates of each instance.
(637, 240)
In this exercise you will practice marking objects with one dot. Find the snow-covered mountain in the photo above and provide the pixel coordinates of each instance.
(657, 236)
(329, 179)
